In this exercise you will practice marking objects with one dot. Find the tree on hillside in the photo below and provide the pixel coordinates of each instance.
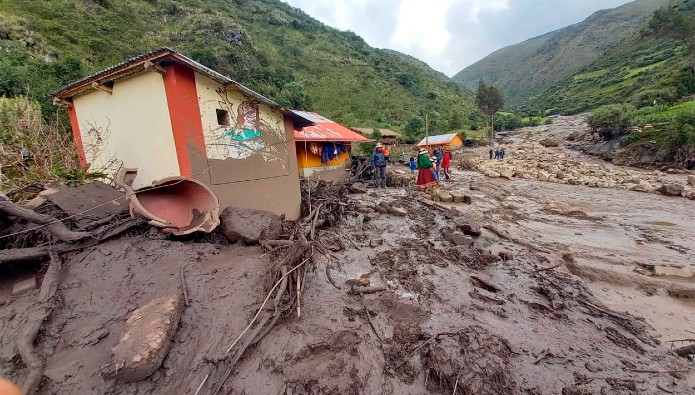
(293, 96)
(677, 21)
(489, 100)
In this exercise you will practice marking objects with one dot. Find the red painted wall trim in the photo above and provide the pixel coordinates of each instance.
(184, 112)
(77, 135)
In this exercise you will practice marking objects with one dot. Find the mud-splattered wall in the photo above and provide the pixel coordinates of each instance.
(129, 127)
(249, 150)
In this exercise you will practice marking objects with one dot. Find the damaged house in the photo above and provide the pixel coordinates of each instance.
(168, 115)
(323, 146)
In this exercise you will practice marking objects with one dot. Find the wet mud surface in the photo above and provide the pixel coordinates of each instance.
(592, 315)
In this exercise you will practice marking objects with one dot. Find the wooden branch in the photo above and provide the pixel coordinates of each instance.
(367, 290)
(161, 70)
(25, 344)
(102, 88)
(55, 226)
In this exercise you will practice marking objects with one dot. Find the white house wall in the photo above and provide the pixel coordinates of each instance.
(129, 127)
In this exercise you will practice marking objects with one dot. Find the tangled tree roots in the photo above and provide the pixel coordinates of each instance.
(473, 361)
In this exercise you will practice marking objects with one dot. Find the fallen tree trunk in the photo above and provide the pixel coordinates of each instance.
(32, 254)
(25, 344)
(55, 226)
(685, 351)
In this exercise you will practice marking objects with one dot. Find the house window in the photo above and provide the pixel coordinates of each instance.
(222, 117)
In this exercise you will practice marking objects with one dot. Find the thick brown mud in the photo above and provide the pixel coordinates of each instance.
(593, 314)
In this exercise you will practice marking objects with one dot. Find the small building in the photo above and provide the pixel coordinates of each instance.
(323, 146)
(453, 140)
(387, 136)
(168, 115)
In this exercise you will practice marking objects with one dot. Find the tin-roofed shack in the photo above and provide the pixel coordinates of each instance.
(388, 136)
(453, 140)
(323, 146)
(168, 115)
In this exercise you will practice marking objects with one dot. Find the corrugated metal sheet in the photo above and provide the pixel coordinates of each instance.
(136, 65)
(437, 140)
(323, 129)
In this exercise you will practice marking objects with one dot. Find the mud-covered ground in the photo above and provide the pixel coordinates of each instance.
(579, 308)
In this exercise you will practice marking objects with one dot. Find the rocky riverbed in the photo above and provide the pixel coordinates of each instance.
(543, 153)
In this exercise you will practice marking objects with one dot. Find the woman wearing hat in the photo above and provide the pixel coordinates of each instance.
(446, 162)
(379, 161)
(425, 176)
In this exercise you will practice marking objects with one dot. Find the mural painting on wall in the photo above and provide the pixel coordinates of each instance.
(246, 133)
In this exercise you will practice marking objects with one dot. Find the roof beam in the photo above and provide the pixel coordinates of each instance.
(61, 102)
(150, 65)
(101, 87)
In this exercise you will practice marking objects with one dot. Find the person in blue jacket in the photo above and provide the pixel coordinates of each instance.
(413, 165)
(379, 165)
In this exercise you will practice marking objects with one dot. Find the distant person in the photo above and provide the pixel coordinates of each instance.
(492, 152)
(497, 153)
(502, 153)
(446, 163)
(425, 175)
(439, 156)
(379, 165)
(413, 165)
(436, 173)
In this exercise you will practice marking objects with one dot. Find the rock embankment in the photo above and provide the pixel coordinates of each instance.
(537, 154)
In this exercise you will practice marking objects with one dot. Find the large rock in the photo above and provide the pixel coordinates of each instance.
(444, 196)
(691, 180)
(543, 176)
(672, 189)
(358, 187)
(146, 339)
(468, 227)
(643, 186)
(492, 174)
(249, 226)
(24, 286)
(457, 239)
(507, 173)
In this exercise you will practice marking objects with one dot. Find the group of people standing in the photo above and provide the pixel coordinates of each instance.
(430, 165)
(498, 153)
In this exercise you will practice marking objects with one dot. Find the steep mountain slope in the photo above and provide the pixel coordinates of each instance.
(525, 70)
(266, 44)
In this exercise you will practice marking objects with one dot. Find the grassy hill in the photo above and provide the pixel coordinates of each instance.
(271, 47)
(524, 71)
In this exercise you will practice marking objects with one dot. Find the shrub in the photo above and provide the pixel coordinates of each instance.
(612, 120)
(655, 96)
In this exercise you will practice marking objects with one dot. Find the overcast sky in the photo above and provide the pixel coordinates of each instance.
(450, 34)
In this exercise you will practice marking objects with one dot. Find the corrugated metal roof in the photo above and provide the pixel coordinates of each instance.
(323, 129)
(437, 140)
(384, 132)
(137, 64)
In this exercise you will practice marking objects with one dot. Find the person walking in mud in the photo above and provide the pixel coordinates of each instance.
(425, 177)
(492, 152)
(439, 156)
(497, 153)
(446, 163)
(379, 165)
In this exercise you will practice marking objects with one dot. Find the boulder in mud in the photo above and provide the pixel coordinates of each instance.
(457, 239)
(543, 176)
(358, 187)
(492, 174)
(468, 227)
(444, 196)
(507, 173)
(672, 189)
(549, 142)
(146, 339)
(691, 180)
(643, 186)
(249, 226)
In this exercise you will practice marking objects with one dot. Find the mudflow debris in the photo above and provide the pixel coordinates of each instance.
(369, 293)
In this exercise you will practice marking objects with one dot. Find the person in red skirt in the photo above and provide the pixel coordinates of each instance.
(425, 175)
(446, 162)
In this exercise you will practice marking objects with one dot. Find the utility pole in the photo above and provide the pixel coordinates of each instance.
(427, 131)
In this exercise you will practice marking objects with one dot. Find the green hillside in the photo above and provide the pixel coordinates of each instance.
(642, 69)
(265, 44)
(524, 71)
